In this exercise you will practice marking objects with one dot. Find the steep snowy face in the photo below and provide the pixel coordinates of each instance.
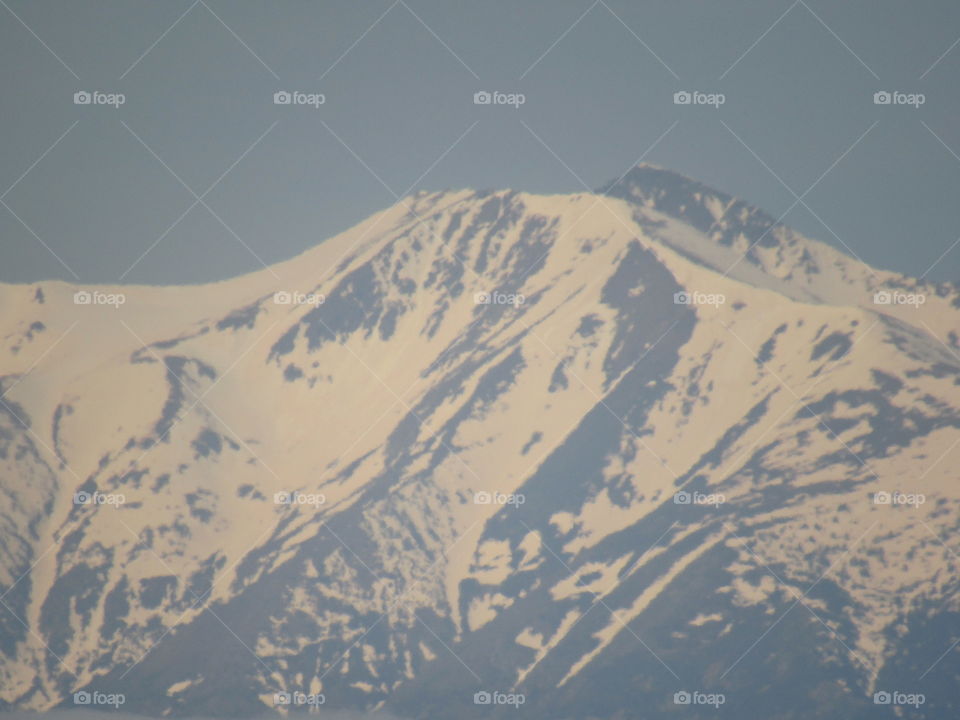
(487, 443)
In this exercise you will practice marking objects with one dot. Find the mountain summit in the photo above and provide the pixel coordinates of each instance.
(595, 455)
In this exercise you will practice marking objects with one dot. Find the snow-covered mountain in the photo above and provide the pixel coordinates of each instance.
(584, 451)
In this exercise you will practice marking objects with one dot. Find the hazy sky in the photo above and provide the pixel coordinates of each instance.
(399, 78)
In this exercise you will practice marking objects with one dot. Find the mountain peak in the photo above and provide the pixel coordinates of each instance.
(692, 201)
(490, 411)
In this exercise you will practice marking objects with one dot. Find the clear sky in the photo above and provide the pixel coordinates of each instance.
(112, 192)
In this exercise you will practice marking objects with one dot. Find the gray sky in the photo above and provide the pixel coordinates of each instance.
(399, 78)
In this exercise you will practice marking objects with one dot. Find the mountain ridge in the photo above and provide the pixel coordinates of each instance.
(575, 351)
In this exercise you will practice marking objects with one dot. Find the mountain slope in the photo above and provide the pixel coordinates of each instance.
(444, 460)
